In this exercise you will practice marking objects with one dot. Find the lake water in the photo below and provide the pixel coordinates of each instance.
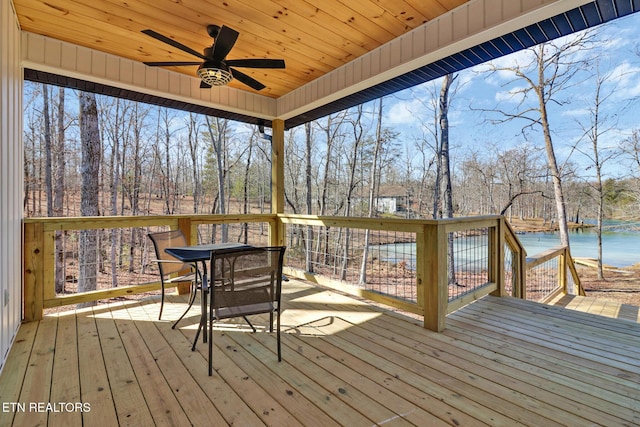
(620, 243)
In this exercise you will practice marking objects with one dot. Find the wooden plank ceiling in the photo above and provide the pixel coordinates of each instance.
(314, 37)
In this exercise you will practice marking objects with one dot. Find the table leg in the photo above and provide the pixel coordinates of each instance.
(203, 307)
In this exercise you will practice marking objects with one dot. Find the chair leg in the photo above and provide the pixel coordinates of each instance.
(249, 323)
(278, 335)
(161, 303)
(210, 325)
(192, 298)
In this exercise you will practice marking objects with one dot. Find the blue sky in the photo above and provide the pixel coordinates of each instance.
(617, 54)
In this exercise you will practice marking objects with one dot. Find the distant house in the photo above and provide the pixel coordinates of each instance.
(393, 199)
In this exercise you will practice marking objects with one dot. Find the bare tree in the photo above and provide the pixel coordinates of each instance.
(373, 184)
(599, 124)
(133, 178)
(89, 202)
(193, 127)
(352, 181)
(309, 235)
(218, 135)
(444, 169)
(58, 191)
(631, 150)
(115, 133)
(551, 69)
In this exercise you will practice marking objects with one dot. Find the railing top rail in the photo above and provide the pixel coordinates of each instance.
(460, 224)
(544, 256)
(512, 239)
(92, 222)
(396, 224)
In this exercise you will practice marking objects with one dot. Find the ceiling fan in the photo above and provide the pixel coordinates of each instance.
(215, 69)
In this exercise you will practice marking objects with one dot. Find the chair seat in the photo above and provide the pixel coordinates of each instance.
(190, 277)
(243, 310)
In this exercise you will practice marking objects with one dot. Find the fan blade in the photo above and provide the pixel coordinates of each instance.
(223, 43)
(170, 64)
(204, 85)
(249, 81)
(256, 63)
(173, 43)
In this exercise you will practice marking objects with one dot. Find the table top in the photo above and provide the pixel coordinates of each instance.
(203, 252)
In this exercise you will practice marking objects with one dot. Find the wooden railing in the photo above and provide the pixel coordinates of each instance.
(550, 273)
(39, 249)
(400, 263)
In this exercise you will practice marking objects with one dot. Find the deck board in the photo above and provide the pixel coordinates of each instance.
(65, 381)
(499, 362)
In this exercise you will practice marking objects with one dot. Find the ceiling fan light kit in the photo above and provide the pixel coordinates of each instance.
(214, 76)
(215, 69)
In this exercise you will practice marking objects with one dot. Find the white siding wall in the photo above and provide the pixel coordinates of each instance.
(47, 54)
(11, 179)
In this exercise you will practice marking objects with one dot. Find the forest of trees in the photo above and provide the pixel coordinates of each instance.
(153, 160)
(160, 161)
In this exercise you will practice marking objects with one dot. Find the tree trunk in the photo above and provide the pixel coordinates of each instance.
(372, 193)
(48, 150)
(193, 149)
(309, 232)
(556, 177)
(58, 193)
(245, 188)
(134, 192)
(218, 135)
(447, 193)
(115, 182)
(358, 132)
(89, 201)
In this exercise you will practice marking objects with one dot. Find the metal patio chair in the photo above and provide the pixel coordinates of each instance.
(171, 269)
(248, 282)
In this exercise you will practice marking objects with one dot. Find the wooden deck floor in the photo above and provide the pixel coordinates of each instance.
(599, 306)
(500, 362)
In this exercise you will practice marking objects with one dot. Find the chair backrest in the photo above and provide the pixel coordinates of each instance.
(247, 281)
(168, 239)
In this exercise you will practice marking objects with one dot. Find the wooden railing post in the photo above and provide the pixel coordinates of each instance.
(496, 256)
(191, 234)
(33, 274)
(433, 270)
(421, 269)
(276, 228)
(518, 261)
(562, 272)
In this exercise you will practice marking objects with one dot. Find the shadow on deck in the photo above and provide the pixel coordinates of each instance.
(500, 362)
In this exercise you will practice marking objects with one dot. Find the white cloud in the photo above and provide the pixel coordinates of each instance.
(404, 112)
(513, 95)
(625, 78)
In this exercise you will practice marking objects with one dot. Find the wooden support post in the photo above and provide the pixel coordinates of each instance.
(436, 281)
(562, 273)
(33, 273)
(496, 257)
(191, 235)
(276, 231)
(522, 275)
(421, 269)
